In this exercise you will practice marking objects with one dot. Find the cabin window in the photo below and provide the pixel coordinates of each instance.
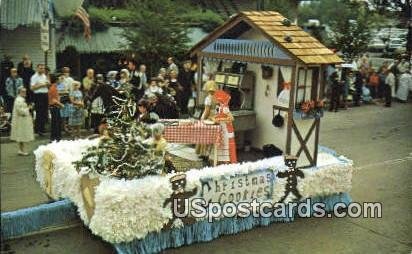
(284, 76)
(306, 88)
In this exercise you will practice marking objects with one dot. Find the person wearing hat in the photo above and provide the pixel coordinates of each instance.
(208, 114)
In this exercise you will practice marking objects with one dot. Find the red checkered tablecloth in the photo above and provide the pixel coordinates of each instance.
(197, 133)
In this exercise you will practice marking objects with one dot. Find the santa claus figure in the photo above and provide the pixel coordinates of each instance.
(227, 151)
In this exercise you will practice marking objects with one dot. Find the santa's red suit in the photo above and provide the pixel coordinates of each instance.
(226, 152)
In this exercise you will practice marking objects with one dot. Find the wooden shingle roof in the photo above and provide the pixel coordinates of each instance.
(303, 46)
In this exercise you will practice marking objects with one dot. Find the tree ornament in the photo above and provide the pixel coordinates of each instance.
(124, 153)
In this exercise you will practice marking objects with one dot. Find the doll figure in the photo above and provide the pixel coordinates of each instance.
(227, 152)
(204, 151)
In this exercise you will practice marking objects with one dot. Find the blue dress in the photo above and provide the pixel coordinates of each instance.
(76, 113)
(65, 111)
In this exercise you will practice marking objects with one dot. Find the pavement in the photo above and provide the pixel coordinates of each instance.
(377, 139)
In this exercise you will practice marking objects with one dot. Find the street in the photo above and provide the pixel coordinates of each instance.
(377, 139)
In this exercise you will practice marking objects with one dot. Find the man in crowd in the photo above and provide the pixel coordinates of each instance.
(12, 86)
(186, 79)
(359, 81)
(88, 80)
(105, 92)
(389, 84)
(5, 67)
(68, 81)
(39, 84)
(335, 91)
(87, 84)
(55, 105)
(142, 75)
(135, 80)
(172, 66)
(25, 71)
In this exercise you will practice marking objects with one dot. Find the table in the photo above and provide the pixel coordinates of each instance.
(193, 133)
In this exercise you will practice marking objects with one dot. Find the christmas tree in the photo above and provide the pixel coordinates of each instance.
(124, 151)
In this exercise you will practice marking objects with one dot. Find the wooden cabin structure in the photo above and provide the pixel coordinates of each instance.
(254, 56)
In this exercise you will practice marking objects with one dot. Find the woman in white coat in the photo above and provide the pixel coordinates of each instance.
(22, 122)
(405, 86)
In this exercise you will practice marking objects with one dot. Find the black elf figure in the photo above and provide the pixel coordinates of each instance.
(178, 186)
(291, 174)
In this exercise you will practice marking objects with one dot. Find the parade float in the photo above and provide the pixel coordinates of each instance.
(120, 186)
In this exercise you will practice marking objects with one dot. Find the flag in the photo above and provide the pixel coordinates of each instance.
(82, 14)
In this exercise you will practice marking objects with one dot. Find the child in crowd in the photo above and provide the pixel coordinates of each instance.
(65, 100)
(76, 112)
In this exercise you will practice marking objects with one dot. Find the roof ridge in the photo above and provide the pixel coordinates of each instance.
(306, 48)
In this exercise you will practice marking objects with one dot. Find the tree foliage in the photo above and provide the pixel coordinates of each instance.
(287, 8)
(348, 23)
(351, 37)
(351, 30)
(159, 31)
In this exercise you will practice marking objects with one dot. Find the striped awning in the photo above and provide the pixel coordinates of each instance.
(110, 40)
(14, 13)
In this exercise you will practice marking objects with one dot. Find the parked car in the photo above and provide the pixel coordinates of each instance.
(376, 45)
(396, 44)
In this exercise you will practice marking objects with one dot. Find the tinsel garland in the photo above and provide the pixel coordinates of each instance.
(124, 152)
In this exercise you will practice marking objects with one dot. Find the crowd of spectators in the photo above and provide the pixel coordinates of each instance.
(360, 83)
(75, 106)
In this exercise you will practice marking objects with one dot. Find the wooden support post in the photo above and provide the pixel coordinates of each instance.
(315, 153)
(305, 84)
(290, 112)
(321, 87)
(199, 78)
(322, 82)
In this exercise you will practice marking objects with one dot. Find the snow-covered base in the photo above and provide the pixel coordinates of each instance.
(204, 231)
(132, 210)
